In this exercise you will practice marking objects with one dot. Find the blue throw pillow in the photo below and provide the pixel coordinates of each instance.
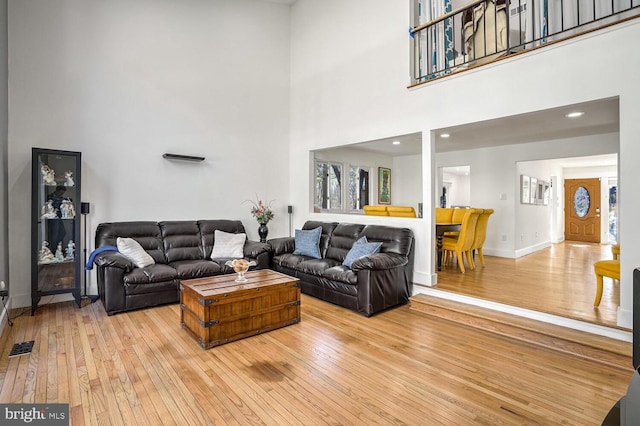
(308, 242)
(361, 248)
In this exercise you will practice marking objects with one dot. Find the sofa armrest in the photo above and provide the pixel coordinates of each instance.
(254, 248)
(260, 252)
(383, 281)
(282, 245)
(379, 261)
(113, 259)
(111, 269)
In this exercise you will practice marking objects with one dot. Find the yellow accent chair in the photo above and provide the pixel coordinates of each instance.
(376, 210)
(480, 235)
(605, 268)
(463, 243)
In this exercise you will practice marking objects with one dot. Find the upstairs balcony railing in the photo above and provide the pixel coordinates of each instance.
(483, 31)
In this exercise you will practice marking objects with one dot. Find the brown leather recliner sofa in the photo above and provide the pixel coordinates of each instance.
(180, 249)
(372, 283)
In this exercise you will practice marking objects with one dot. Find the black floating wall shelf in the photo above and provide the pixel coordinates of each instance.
(182, 157)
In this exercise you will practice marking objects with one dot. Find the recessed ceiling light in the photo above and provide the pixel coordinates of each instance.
(575, 114)
(396, 142)
(445, 135)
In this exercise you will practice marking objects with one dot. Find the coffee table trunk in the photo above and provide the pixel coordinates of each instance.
(217, 310)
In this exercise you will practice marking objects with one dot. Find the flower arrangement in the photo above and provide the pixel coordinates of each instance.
(261, 211)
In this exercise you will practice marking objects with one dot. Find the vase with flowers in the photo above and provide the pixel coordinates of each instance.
(263, 213)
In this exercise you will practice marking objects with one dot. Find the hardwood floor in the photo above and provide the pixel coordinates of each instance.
(558, 280)
(334, 367)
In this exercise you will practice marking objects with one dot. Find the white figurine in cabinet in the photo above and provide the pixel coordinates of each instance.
(71, 250)
(48, 211)
(59, 255)
(67, 210)
(68, 175)
(48, 175)
(45, 255)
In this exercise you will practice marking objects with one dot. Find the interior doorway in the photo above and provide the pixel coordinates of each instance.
(455, 187)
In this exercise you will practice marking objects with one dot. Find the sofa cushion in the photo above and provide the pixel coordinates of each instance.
(132, 250)
(316, 266)
(226, 244)
(361, 248)
(187, 269)
(341, 273)
(342, 239)
(394, 240)
(308, 242)
(181, 240)
(146, 233)
(150, 274)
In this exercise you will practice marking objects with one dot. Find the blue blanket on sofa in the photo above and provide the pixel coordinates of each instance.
(96, 252)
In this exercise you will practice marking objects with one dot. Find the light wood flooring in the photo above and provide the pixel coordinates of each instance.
(336, 367)
(558, 280)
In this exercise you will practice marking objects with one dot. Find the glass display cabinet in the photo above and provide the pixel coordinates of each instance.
(55, 224)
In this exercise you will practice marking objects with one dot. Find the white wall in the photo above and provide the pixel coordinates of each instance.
(124, 82)
(352, 86)
(406, 181)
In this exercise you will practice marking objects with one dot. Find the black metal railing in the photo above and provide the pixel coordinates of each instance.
(485, 30)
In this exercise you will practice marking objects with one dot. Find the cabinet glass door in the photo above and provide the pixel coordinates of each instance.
(55, 224)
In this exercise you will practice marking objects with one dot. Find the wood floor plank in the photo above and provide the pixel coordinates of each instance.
(335, 367)
(557, 280)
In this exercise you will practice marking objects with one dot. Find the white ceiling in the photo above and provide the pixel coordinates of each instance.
(599, 117)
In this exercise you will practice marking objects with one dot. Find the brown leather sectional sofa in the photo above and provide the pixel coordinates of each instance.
(181, 250)
(372, 284)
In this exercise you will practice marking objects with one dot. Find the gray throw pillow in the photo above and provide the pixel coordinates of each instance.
(360, 248)
(308, 242)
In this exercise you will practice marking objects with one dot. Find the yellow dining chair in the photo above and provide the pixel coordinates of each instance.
(375, 210)
(615, 249)
(605, 268)
(444, 214)
(480, 235)
(456, 217)
(401, 211)
(463, 243)
(458, 214)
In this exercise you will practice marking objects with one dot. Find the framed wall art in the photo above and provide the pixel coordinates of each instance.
(533, 188)
(384, 185)
(525, 194)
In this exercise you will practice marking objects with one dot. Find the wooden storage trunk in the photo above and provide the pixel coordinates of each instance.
(217, 310)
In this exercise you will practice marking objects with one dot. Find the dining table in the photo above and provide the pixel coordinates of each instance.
(441, 228)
